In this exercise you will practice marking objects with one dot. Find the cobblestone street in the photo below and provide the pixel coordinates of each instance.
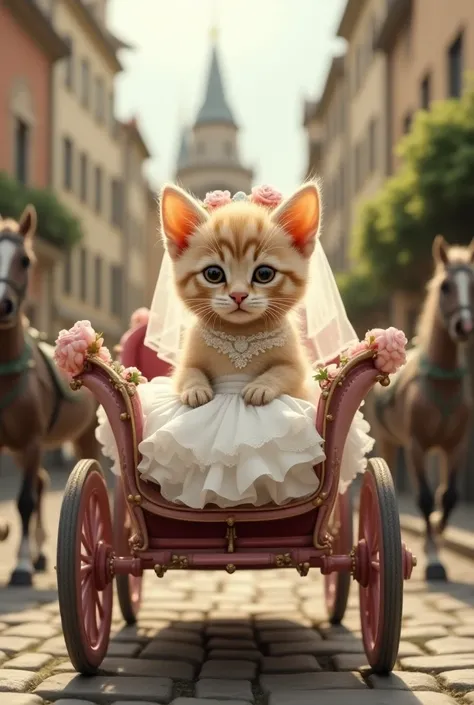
(248, 638)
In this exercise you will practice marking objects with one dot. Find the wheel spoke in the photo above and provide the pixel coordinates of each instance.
(86, 558)
(89, 532)
(99, 605)
(85, 570)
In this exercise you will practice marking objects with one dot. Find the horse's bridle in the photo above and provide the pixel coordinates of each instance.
(448, 315)
(20, 291)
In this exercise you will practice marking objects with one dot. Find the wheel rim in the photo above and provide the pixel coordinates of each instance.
(369, 534)
(94, 605)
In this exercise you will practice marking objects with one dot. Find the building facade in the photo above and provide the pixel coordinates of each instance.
(29, 48)
(136, 201)
(209, 156)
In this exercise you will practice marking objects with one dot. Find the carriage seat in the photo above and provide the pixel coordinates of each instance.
(135, 353)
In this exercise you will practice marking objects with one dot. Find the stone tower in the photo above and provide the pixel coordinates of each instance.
(209, 154)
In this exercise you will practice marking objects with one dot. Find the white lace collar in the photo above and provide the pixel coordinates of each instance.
(240, 349)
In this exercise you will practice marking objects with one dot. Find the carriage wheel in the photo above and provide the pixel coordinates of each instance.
(379, 567)
(129, 587)
(84, 548)
(337, 585)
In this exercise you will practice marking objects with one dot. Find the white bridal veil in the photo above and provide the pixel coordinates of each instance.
(324, 321)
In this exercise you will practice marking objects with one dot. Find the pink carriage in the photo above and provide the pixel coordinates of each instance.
(149, 533)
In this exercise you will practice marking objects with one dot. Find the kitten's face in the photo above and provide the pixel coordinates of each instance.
(240, 266)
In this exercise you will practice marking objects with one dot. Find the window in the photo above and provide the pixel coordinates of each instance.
(83, 177)
(111, 114)
(425, 92)
(67, 273)
(99, 100)
(85, 83)
(455, 68)
(69, 64)
(116, 291)
(83, 279)
(116, 203)
(22, 144)
(372, 145)
(98, 282)
(98, 190)
(67, 164)
(407, 123)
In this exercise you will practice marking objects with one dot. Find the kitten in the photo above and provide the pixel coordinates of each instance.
(241, 270)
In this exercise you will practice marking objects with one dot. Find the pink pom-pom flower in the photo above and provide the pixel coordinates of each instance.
(133, 375)
(216, 199)
(390, 344)
(77, 343)
(358, 348)
(139, 317)
(266, 196)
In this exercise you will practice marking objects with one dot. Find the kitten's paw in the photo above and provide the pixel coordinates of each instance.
(197, 396)
(258, 394)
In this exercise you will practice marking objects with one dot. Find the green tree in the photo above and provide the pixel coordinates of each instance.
(56, 224)
(433, 192)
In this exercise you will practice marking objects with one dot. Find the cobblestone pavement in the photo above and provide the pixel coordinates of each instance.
(245, 639)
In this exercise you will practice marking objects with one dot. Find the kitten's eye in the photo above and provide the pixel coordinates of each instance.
(264, 274)
(446, 287)
(214, 275)
(25, 261)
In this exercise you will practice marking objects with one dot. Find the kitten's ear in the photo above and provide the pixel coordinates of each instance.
(180, 215)
(300, 216)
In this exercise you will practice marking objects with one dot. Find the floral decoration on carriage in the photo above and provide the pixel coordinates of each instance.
(250, 432)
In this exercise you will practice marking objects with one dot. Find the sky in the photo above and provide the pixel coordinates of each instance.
(273, 55)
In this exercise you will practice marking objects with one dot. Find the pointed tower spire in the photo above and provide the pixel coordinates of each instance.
(215, 107)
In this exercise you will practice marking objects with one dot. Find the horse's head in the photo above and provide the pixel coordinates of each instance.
(455, 278)
(16, 256)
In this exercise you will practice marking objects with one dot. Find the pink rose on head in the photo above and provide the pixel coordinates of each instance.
(216, 199)
(133, 375)
(391, 348)
(266, 196)
(139, 317)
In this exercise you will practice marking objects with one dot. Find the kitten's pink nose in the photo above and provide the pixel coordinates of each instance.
(238, 296)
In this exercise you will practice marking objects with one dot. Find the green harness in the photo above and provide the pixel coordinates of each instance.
(20, 366)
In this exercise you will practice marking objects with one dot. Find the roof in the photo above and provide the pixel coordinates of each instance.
(38, 27)
(215, 107)
(133, 129)
(351, 14)
(107, 41)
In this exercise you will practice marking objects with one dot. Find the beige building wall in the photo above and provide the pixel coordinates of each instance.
(367, 114)
(87, 173)
(429, 44)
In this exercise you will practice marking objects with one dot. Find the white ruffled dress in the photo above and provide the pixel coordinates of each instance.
(228, 453)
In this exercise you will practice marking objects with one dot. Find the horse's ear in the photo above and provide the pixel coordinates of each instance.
(28, 221)
(440, 250)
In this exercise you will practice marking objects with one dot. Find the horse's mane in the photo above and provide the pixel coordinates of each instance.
(457, 255)
(13, 226)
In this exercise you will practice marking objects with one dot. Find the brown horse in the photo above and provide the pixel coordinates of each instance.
(428, 405)
(37, 411)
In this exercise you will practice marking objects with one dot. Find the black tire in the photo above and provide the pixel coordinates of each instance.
(340, 583)
(85, 481)
(382, 648)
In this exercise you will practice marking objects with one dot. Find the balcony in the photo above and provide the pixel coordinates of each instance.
(397, 14)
